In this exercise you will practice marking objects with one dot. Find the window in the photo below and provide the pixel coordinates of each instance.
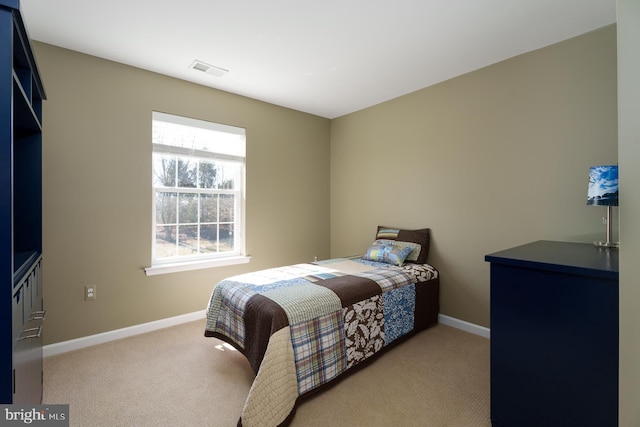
(198, 190)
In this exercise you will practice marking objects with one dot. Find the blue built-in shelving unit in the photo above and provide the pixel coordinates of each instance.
(21, 303)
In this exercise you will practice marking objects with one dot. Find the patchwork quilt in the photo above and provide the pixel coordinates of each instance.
(303, 325)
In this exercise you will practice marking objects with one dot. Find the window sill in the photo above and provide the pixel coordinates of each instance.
(195, 265)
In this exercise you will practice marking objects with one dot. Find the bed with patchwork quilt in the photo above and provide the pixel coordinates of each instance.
(304, 326)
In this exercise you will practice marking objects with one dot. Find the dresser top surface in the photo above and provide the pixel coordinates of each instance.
(566, 257)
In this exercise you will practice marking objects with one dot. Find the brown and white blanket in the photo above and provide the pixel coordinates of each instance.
(302, 326)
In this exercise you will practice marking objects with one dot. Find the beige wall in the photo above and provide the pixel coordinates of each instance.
(97, 190)
(492, 159)
(488, 160)
(629, 149)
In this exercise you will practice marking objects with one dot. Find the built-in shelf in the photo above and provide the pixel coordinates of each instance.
(25, 118)
(21, 298)
(21, 263)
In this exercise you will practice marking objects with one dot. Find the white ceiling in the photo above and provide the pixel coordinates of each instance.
(329, 57)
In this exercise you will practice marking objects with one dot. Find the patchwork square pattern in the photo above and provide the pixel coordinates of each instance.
(326, 320)
(318, 350)
(364, 329)
(399, 312)
(388, 279)
(225, 313)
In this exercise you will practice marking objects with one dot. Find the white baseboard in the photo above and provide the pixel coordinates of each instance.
(465, 326)
(78, 343)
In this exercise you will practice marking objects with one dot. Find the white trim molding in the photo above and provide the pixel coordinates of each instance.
(195, 265)
(465, 326)
(78, 343)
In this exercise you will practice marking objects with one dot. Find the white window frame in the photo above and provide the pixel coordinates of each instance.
(235, 153)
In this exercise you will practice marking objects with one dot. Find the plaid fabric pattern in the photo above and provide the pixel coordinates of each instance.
(387, 279)
(227, 318)
(318, 348)
(323, 338)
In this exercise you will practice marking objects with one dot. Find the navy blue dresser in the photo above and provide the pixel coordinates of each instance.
(554, 335)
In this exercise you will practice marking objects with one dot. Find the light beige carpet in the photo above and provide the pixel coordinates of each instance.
(177, 377)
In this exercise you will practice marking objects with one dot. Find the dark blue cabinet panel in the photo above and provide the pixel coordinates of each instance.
(21, 305)
(554, 335)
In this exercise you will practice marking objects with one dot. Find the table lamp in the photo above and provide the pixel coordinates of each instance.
(603, 191)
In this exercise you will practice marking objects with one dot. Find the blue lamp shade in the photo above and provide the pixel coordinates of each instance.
(603, 186)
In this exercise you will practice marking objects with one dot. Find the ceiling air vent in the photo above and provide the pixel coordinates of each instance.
(207, 68)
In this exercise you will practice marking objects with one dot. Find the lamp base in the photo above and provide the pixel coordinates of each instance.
(607, 220)
(607, 244)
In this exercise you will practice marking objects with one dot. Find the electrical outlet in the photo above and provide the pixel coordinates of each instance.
(89, 292)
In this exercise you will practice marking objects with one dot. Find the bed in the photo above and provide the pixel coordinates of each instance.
(302, 327)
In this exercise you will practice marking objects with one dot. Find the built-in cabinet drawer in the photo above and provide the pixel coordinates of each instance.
(28, 322)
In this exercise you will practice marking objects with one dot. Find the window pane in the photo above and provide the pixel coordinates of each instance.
(164, 171)
(226, 207)
(208, 208)
(188, 208)
(188, 240)
(226, 237)
(187, 173)
(166, 241)
(208, 238)
(208, 172)
(193, 133)
(166, 207)
(198, 182)
(226, 175)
